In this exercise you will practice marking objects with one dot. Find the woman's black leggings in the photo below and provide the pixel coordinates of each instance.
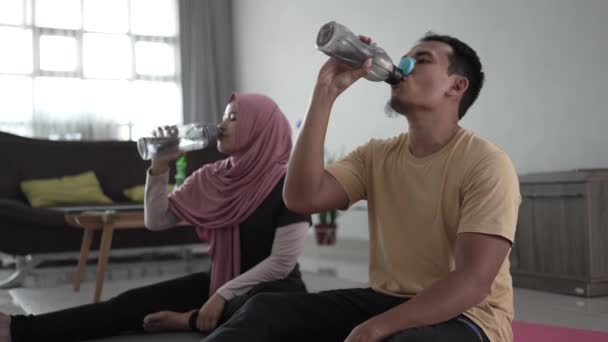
(125, 312)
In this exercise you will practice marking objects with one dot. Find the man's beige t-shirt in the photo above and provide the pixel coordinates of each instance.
(418, 206)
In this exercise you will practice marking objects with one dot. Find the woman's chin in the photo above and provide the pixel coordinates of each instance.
(222, 149)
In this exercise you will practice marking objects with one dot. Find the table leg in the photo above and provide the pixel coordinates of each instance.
(104, 253)
(85, 247)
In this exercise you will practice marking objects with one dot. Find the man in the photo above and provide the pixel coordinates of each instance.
(442, 207)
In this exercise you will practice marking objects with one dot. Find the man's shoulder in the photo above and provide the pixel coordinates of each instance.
(482, 155)
(477, 147)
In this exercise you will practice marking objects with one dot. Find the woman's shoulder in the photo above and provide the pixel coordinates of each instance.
(273, 208)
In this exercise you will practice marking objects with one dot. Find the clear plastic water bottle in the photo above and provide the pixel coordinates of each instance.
(337, 41)
(168, 143)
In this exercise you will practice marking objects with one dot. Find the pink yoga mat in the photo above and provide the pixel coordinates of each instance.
(529, 332)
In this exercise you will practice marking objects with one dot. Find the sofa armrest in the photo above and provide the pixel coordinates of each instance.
(19, 212)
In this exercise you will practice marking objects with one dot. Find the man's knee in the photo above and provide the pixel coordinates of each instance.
(259, 314)
(410, 335)
(265, 303)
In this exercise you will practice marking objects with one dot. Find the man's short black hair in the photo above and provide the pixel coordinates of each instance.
(463, 61)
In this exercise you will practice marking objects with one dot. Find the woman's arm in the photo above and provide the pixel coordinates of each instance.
(287, 247)
(157, 215)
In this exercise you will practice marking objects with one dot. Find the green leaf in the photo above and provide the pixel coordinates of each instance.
(323, 217)
(333, 215)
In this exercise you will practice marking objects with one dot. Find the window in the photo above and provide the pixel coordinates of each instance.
(107, 62)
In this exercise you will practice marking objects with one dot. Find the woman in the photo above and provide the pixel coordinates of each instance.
(236, 205)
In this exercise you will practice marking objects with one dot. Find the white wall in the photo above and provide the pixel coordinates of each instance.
(544, 101)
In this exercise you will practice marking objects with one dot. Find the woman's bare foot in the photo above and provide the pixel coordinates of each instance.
(165, 321)
(5, 327)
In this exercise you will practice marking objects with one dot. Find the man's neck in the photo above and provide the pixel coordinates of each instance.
(429, 132)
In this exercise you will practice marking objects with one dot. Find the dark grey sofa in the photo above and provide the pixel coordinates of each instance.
(25, 230)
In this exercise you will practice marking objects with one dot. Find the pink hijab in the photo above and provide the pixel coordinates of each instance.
(218, 197)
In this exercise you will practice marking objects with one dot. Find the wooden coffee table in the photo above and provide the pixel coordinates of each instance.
(107, 222)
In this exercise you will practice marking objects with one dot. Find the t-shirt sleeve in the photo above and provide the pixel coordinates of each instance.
(351, 173)
(490, 198)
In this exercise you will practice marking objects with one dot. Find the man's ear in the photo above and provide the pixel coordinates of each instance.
(459, 86)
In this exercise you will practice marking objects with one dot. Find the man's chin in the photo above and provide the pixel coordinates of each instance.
(398, 106)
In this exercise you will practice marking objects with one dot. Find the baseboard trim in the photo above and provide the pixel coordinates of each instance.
(574, 287)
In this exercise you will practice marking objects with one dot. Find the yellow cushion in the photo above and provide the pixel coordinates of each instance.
(78, 189)
(136, 193)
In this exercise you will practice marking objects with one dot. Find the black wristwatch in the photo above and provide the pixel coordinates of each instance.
(192, 320)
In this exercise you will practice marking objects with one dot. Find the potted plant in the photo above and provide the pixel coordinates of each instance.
(325, 229)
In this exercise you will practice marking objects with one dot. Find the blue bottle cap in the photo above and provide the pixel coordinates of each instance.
(406, 64)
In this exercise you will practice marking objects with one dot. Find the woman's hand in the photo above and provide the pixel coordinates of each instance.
(210, 314)
(161, 165)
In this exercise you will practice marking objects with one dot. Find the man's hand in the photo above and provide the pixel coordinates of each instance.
(368, 331)
(335, 77)
(210, 314)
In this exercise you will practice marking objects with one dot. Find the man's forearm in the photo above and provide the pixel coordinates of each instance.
(444, 300)
(306, 164)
